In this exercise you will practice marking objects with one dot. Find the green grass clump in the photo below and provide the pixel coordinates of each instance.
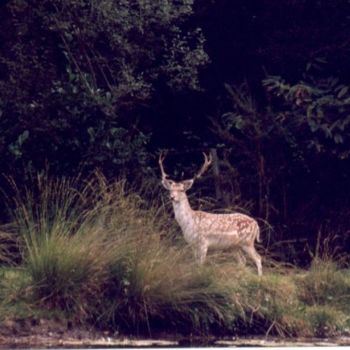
(325, 320)
(161, 287)
(267, 305)
(325, 284)
(18, 311)
(59, 253)
(99, 254)
(11, 286)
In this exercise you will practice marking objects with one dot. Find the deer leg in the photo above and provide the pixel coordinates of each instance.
(200, 252)
(240, 258)
(252, 253)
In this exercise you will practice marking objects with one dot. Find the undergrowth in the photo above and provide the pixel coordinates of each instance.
(98, 254)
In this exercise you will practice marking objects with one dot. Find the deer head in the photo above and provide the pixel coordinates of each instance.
(178, 189)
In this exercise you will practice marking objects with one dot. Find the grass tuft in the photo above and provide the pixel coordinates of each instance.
(325, 320)
(324, 284)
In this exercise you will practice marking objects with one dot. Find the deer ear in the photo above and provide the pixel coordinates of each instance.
(166, 184)
(187, 184)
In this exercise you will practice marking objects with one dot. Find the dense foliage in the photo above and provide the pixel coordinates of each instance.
(76, 75)
(263, 85)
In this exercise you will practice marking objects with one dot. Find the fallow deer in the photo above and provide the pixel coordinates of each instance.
(203, 230)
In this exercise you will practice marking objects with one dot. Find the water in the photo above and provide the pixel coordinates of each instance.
(37, 341)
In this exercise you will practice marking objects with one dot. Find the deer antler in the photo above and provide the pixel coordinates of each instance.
(160, 161)
(207, 161)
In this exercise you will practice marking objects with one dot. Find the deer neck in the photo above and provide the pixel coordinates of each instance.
(183, 215)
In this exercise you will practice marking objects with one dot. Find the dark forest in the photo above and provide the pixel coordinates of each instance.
(262, 85)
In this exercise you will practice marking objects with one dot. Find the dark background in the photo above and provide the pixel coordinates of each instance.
(262, 85)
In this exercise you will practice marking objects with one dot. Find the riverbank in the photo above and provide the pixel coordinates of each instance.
(114, 264)
(49, 334)
(80, 340)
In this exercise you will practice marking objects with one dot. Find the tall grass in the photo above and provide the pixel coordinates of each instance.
(103, 255)
(324, 284)
(61, 243)
(95, 251)
(8, 246)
